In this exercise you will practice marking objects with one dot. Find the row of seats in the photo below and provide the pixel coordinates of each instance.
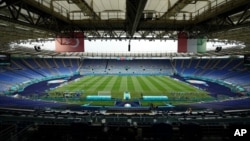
(30, 69)
(63, 126)
(132, 67)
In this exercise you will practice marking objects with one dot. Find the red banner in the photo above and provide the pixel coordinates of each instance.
(73, 43)
(182, 42)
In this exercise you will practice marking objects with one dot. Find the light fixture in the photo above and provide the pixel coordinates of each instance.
(37, 48)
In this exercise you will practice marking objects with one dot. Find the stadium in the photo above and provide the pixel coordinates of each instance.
(124, 70)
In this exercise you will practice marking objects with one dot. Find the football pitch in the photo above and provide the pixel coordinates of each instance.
(138, 86)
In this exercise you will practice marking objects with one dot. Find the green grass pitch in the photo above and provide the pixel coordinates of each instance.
(176, 91)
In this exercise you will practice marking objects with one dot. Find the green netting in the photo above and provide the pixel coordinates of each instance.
(201, 45)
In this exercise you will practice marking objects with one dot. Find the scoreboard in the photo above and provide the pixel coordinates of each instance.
(4, 59)
(247, 60)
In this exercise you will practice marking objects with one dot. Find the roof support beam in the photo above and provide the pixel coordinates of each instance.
(227, 8)
(86, 8)
(134, 13)
(177, 7)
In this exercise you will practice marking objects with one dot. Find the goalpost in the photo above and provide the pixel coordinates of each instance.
(102, 95)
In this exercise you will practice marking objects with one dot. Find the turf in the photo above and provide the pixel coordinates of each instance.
(136, 85)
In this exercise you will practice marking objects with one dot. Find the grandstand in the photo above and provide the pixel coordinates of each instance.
(199, 92)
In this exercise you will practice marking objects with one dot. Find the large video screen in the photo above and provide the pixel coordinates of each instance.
(247, 60)
(4, 59)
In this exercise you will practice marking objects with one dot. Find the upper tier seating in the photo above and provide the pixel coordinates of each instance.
(230, 71)
(27, 70)
(132, 67)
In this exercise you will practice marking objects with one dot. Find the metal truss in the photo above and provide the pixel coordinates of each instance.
(48, 22)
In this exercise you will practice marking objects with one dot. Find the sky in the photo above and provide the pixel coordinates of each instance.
(117, 46)
(135, 46)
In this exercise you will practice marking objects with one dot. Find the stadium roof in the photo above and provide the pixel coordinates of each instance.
(23, 20)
